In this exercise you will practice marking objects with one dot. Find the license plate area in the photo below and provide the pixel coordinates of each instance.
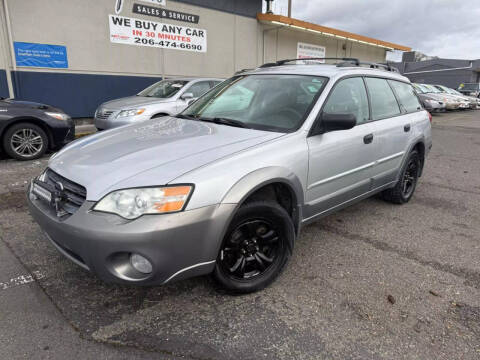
(42, 191)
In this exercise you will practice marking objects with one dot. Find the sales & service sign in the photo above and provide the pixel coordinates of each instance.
(165, 13)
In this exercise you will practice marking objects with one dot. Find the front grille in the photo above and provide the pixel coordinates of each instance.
(75, 194)
(104, 114)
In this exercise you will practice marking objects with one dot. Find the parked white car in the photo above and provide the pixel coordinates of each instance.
(166, 97)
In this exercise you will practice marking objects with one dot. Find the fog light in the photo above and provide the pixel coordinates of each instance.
(140, 263)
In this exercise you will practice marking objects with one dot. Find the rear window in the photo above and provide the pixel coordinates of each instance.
(383, 102)
(163, 89)
(406, 96)
(473, 87)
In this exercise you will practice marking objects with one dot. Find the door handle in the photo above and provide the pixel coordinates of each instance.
(406, 128)
(367, 139)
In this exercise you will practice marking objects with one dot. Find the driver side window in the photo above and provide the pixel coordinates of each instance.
(199, 88)
(349, 96)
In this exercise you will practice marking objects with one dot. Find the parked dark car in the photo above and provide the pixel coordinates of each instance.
(29, 129)
(470, 89)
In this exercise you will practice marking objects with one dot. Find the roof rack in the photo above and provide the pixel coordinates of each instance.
(283, 62)
(346, 62)
(373, 65)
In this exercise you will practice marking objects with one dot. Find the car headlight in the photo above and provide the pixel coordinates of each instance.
(131, 112)
(58, 115)
(133, 203)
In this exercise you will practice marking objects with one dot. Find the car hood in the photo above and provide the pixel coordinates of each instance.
(430, 97)
(150, 153)
(132, 101)
(439, 97)
(24, 104)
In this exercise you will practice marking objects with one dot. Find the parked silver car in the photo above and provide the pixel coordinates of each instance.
(226, 186)
(473, 102)
(431, 102)
(451, 102)
(166, 97)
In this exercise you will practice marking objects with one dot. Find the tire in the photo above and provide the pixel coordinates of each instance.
(259, 243)
(400, 193)
(25, 133)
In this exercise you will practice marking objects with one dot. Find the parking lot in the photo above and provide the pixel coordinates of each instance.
(374, 281)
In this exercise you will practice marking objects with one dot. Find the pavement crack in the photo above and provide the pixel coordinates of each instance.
(472, 278)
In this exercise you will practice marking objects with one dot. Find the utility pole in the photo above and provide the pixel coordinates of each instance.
(289, 8)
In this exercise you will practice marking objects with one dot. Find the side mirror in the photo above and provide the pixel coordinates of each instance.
(334, 122)
(187, 96)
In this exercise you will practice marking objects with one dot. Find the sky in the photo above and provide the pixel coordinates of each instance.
(444, 28)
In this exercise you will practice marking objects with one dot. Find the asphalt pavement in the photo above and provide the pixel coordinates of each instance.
(374, 281)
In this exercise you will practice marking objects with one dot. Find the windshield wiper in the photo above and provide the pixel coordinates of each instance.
(225, 121)
(189, 117)
(215, 120)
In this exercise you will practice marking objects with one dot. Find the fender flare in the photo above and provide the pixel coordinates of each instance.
(418, 140)
(257, 179)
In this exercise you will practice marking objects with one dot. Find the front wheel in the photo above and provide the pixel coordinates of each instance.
(405, 187)
(256, 247)
(25, 141)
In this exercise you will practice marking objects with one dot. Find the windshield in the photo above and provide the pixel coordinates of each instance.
(163, 89)
(473, 87)
(455, 92)
(431, 89)
(265, 102)
(441, 88)
(419, 88)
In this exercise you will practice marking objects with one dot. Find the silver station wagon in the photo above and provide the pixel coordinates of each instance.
(226, 186)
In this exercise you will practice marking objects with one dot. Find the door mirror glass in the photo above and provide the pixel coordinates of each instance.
(187, 96)
(334, 122)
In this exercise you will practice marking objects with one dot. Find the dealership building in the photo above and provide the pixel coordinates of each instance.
(78, 54)
(434, 70)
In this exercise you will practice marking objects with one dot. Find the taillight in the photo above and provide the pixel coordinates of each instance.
(429, 116)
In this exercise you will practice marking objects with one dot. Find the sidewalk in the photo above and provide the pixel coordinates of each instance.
(84, 126)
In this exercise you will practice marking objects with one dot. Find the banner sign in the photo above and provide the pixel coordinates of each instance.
(156, 2)
(164, 13)
(40, 55)
(124, 30)
(305, 51)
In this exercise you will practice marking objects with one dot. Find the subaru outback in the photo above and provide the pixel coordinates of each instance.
(226, 186)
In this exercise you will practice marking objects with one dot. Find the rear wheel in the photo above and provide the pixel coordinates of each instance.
(405, 187)
(25, 141)
(256, 247)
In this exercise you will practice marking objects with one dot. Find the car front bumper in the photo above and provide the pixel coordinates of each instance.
(63, 132)
(452, 105)
(434, 106)
(113, 122)
(178, 245)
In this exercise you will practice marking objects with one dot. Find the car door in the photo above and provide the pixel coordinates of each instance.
(340, 162)
(395, 108)
(196, 89)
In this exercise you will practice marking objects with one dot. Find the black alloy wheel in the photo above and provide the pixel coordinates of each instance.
(250, 249)
(410, 177)
(256, 247)
(403, 190)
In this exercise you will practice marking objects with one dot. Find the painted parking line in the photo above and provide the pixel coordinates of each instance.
(21, 280)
